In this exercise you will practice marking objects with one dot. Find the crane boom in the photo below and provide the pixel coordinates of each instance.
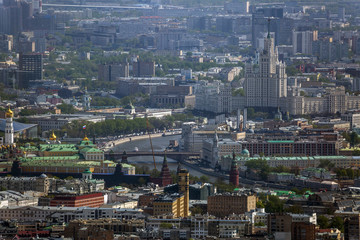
(152, 149)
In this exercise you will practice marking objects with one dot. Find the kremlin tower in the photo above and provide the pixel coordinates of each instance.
(165, 176)
(234, 172)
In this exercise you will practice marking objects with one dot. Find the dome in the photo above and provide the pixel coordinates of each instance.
(53, 136)
(245, 152)
(43, 176)
(85, 138)
(9, 113)
(87, 171)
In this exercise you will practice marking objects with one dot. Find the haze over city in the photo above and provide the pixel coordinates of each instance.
(179, 119)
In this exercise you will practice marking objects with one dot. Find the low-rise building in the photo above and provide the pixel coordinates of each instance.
(222, 205)
(169, 204)
(50, 122)
(85, 200)
(66, 214)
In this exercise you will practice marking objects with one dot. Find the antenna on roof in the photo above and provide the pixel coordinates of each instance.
(269, 19)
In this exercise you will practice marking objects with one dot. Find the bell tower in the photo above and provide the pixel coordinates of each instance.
(9, 127)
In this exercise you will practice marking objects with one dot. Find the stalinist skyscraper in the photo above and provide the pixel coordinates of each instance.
(266, 84)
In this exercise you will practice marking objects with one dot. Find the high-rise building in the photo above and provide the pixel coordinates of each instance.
(14, 16)
(259, 23)
(109, 72)
(266, 85)
(32, 66)
(302, 41)
(144, 69)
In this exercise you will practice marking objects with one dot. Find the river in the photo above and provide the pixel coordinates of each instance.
(159, 144)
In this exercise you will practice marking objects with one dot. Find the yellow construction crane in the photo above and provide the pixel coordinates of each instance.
(152, 149)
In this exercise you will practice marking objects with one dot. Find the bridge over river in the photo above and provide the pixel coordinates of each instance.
(179, 156)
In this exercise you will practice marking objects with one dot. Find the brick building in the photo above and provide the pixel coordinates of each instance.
(86, 200)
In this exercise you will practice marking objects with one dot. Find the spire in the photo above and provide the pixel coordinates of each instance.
(216, 138)
(165, 160)
(165, 175)
(268, 36)
(178, 168)
(124, 158)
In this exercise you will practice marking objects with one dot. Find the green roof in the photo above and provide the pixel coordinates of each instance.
(280, 141)
(86, 143)
(58, 148)
(55, 158)
(91, 149)
(87, 171)
(126, 165)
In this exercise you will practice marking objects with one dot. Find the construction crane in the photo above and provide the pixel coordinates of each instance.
(152, 149)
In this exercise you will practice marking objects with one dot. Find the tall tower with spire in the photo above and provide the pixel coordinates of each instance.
(9, 128)
(165, 176)
(234, 172)
(86, 100)
(124, 158)
(183, 184)
(266, 85)
(215, 150)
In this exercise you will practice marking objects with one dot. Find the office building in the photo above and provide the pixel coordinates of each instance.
(222, 205)
(172, 96)
(169, 204)
(302, 41)
(214, 97)
(334, 100)
(143, 69)
(110, 72)
(31, 66)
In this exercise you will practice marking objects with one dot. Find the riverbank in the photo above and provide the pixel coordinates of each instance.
(111, 144)
(203, 170)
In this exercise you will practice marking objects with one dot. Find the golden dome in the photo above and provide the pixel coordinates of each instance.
(85, 138)
(53, 136)
(9, 113)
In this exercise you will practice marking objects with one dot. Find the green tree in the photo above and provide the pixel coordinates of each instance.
(337, 222)
(297, 209)
(323, 222)
(325, 163)
(260, 204)
(66, 108)
(204, 179)
(274, 205)
(260, 165)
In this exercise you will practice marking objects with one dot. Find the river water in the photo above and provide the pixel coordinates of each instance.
(159, 144)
